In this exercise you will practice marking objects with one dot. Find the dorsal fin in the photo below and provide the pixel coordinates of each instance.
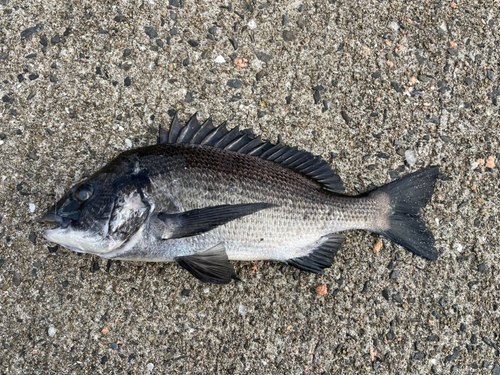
(243, 142)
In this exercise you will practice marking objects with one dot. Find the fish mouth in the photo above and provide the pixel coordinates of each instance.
(67, 233)
(51, 217)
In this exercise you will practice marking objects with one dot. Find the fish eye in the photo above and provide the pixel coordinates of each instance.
(84, 193)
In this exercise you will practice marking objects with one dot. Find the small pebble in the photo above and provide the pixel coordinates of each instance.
(394, 26)
(127, 82)
(128, 142)
(234, 43)
(241, 63)
(411, 157)
(32, 207)
(151, 32)
(189, 97)
(120, 18)
(151, 366)
(390, 335)
(345, 116)
(490, 162)
(398, 298)
(378, 246)
(234, 83)
(396, 87)
(29, 31)
(242, 309)
(325, 106)
(32, 237)
(317, 97)
(321, 290)
(264, 57)
(219, 59)
(385, 294)
(52, 331)
(252, 24)
(452, 357)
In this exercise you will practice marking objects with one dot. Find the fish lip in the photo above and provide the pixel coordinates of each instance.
(50, 218)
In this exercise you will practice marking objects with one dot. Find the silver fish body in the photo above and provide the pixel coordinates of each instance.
(205, 195)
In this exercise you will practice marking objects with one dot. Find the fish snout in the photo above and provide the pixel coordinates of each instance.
(52, 217)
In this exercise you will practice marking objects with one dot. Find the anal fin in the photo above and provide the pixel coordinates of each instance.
(320, 258)
(210, 266)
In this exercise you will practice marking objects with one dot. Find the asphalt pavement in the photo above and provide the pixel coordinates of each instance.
(377, 88)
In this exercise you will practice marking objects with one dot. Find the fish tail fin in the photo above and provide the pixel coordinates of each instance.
(405, 226)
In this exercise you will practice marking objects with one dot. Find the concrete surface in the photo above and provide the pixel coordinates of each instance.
(94, 78)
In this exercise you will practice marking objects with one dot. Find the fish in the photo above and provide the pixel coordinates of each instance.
(205, 195)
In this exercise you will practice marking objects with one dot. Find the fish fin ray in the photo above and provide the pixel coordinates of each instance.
(215, 135)
(191, 223)
(205, 128)
(189, 130)
(250, 146)
(162, 135)
(228, 138)
(321, 257)
(210, 266)
(175, 129)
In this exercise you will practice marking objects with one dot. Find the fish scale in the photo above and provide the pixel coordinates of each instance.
(206, 195)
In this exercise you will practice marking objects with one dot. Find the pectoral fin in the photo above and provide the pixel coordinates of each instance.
(210, 266)
(191, 223)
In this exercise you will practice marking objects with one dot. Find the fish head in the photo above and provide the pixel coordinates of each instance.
(101, 214)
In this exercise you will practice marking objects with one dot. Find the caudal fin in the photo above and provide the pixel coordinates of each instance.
(408, 196)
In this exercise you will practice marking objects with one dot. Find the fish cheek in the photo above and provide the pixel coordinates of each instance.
(129, 214)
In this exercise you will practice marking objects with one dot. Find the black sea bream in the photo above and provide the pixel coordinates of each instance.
(204, 195)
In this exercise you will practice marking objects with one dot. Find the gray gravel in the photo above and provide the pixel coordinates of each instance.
(80, 83)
